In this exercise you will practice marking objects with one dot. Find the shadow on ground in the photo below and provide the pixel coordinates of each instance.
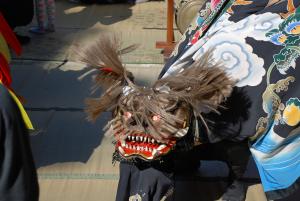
(55, 103)
(108, 13)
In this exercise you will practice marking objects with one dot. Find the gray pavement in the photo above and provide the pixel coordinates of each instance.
(73, 158)
(47, 71)
(79, 24)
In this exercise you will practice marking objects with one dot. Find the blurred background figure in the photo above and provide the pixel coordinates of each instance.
(17, 13)
(107, 1)
(18, 178)
(44, 9)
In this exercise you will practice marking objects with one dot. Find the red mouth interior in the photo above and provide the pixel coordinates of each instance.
(143, 146)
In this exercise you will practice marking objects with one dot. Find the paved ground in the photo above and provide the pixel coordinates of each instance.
(80, 25)
(72, 156)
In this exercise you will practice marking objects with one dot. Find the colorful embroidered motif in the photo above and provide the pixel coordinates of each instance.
(239, 3)
(276, 156)
(291, 113)
(287, 35)
(258, 41)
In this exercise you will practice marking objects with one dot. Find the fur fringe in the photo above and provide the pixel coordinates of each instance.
(105, 56)
(199, 88)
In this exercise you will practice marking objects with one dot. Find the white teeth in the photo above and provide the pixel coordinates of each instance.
(146, 148)
(129, 137)
(138, 148)
(126, 146)
(141, 138)
(130, 147)
(145, 139)
(133, 138)
(152, 141)
(150, 149)
(161, 147)
(154, 152)
(123, 143)
(149, 140)
(121, 150)
(133, 147)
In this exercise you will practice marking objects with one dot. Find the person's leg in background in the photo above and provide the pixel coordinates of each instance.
(50, 5)
(234, 154)
(40, 17)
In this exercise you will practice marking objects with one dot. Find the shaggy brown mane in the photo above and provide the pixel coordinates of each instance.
(105, 56)
(204, 85)
(199, 88)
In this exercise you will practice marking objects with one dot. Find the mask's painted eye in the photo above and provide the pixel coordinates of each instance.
(127, 115)
(156, 117)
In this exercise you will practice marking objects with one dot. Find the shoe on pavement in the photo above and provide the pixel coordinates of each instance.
(37, 30)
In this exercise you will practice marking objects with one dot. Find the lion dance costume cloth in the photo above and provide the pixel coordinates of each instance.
(257, 41)
(231, 85)
(18, 179)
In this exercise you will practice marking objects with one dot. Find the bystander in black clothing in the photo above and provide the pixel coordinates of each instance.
(18, 179)
(17, 13)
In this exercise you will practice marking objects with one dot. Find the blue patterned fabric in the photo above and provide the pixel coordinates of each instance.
(258, 43)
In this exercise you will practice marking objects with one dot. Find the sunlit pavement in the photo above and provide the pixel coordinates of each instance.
(73, 158)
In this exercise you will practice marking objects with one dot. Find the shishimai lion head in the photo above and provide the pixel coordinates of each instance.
(148, 122)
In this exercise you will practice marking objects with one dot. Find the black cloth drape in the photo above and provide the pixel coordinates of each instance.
(18, 179)
(17, 12)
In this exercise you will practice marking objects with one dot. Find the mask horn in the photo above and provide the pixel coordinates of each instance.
(105, 56)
